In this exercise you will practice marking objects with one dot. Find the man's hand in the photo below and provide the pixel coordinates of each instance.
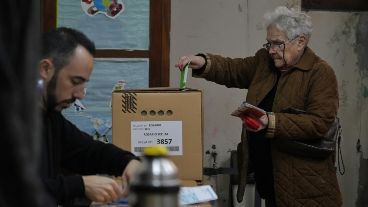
(127, 175)
(101, 189)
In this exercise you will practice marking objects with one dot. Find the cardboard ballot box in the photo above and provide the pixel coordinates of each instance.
(172, 117)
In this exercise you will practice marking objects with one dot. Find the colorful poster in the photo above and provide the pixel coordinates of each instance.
(127, 29)
(110, 8)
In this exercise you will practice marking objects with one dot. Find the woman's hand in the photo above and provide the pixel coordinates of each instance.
(195, 62)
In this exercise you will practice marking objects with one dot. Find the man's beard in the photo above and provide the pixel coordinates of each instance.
(51, 102)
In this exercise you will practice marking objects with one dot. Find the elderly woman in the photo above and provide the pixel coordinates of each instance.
(285, 73)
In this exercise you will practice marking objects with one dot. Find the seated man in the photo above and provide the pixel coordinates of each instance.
(66, 65)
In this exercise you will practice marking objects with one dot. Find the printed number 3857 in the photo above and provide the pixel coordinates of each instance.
(164, 141)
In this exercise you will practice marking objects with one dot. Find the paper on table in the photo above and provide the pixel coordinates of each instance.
(197, 194)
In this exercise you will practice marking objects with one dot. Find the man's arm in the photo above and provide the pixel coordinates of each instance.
(64, 188)
(81, 154)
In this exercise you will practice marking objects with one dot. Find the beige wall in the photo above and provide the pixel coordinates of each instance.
(234, 28)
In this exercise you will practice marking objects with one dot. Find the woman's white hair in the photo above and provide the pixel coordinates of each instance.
(293, 22)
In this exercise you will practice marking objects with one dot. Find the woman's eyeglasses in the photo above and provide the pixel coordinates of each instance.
(277, 45)
(274, 45)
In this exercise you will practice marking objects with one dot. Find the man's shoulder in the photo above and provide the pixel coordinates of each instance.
(54, 116)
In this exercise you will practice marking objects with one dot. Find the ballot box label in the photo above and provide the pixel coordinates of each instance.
(147, 133)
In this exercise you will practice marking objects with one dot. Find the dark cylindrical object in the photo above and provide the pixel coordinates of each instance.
(155, 184)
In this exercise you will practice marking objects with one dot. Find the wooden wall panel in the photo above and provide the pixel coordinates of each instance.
(335, 5)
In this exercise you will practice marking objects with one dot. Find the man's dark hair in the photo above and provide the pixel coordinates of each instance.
(59, 45)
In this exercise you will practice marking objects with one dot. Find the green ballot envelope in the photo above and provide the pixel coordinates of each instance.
(184, 76)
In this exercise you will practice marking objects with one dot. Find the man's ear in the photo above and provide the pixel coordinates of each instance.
(46, 69)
